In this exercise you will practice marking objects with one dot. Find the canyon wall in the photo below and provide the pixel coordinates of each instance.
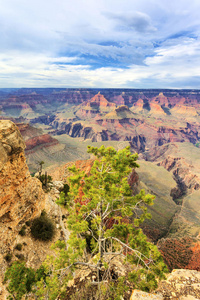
(22, 197)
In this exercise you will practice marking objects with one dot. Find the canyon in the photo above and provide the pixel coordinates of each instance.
(145, 118)
(56, 125)
(163, 126)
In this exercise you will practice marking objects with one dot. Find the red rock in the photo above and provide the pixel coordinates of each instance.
(44, 140)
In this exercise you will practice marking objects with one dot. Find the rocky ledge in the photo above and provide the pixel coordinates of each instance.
(180, 284)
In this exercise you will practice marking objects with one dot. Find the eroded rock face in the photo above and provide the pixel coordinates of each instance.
(10, 141)
(21, 196)
(181, 284)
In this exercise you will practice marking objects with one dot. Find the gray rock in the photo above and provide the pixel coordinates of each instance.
(139, 295)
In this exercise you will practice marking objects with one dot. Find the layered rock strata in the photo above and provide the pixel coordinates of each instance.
(21, 196)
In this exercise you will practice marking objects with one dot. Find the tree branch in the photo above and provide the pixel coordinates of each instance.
(137, 253)
(77, 263)
(104, 214)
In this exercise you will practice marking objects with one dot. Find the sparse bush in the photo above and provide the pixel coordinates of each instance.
(18, 247)
(45, 179)
(28, 223)
(22, 232)
(43, 228)
(66, 189)
(8, 257)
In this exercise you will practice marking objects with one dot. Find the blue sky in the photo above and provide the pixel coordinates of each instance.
(100, 43)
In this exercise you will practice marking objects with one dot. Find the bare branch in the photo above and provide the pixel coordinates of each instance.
(136, 252)
(104, 214)
(77, 263)
(93, 235)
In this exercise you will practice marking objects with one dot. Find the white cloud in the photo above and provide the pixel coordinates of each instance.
(130, 43)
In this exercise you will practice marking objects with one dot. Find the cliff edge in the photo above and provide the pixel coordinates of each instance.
(21, 196)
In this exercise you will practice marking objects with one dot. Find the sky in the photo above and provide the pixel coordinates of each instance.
(100, 43)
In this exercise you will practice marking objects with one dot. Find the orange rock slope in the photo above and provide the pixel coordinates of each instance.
(21, 196)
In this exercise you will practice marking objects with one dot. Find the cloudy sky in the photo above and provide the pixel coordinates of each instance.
(100, 43)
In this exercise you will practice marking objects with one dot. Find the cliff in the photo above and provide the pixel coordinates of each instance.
(22, 197)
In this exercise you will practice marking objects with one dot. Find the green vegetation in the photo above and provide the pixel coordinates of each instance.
(66, 189)
(20, 280)
(63, 196)
(41, 163)
(43, 228)
(45, 179)
(104, 220)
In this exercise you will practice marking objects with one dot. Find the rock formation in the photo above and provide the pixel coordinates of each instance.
(180, 284)
(155, 117)
(22, 197)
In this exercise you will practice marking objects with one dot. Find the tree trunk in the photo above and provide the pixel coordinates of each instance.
(101, 236)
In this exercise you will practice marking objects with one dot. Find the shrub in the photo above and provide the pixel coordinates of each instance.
(45, 179)
(28, 223)
(66, 189)
(8, 257)
(20, 280)
(18, 247)
(43, 228)
(22, 232)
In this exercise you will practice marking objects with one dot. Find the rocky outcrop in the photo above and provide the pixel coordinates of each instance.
(156, 109)
(94, 107)
(121, 112)
(99, 102)
(180, 284)
(22, 197)
(140, 295)
(86, 131)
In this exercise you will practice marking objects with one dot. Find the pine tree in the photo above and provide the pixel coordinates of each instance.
(104, 219)
(21, 280)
